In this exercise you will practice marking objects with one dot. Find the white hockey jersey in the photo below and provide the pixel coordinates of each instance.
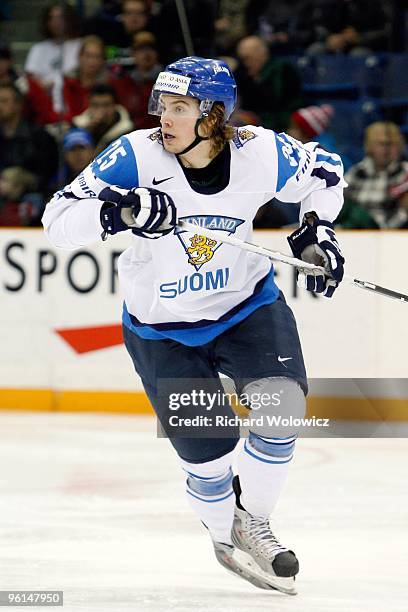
(185, 286)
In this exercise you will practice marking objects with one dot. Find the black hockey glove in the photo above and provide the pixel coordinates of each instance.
(147, 212)
(315, 242)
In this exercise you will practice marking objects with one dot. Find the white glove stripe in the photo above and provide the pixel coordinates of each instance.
(145, 206)
(333, 260)
(152, 221)
(167, 220)
(123, 192)
(301, 280)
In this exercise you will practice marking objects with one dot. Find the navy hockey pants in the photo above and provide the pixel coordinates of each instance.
(248, 351)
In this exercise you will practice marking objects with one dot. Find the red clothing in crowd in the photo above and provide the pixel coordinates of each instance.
(133, 96)
(38, 107)
(16, 214)
(75, 97)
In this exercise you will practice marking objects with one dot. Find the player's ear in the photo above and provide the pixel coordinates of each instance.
(206, 128)
(209, 124)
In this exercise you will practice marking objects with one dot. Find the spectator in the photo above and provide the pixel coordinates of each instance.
(343, 26)
(22, 143)
(145, 57)
(270, 88)
(399, 193)
(20, 205)
(117, 22)
(79, 150)
(91, 72)
(354, 216)
(104, 118)
(106, 25)
(57, 54)
(135, 17)
(275, 22)
(370, 181)
(38, 104)
(308, 123)
(312, 124)
(134, 91)
(230, 25)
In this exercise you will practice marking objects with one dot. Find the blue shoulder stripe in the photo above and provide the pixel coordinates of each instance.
(328, 158)
(288, 160)
(117, 165)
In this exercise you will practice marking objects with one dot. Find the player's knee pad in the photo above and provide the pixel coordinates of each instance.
(212, 478)
(277, 404)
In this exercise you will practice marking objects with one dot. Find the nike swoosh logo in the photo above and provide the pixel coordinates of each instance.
(282, 359)
(155, 182)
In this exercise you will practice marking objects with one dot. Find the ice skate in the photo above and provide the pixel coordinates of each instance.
(262, 555)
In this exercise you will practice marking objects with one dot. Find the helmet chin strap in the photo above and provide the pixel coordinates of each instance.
(197, 138)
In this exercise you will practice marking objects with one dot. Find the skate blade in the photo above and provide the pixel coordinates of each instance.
(242, 565)
(238, 571)
(250, 567)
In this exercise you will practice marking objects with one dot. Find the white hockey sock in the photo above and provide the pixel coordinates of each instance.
(210, 495)
(263, 466)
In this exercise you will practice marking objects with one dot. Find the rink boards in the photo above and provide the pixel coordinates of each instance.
(62, 348)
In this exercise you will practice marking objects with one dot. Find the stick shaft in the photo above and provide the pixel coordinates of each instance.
(248, 246)
(378, 289)
(292, 261)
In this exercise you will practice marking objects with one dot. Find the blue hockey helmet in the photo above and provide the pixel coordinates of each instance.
(207, 80)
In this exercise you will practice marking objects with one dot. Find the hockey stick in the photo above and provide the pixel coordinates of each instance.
(292, 261)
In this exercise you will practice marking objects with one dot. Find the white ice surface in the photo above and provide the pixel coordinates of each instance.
(94, 506)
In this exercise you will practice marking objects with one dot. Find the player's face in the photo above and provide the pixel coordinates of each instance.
(178, 118)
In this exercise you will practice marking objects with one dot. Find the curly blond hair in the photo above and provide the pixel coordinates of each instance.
(215, 127)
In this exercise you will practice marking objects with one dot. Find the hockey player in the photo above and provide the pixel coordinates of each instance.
(194, 308)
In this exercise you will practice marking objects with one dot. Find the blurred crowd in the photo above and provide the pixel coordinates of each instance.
(88, 80)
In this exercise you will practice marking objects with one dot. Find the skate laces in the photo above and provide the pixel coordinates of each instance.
(263, 537)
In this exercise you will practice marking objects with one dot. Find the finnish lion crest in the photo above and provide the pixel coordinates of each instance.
(242, 136)
(156, 136)
(201, 249)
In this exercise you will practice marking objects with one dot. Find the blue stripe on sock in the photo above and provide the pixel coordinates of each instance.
(213, 487)
(201, 477)
(210, 501)
(260, 458)
(270, 447)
